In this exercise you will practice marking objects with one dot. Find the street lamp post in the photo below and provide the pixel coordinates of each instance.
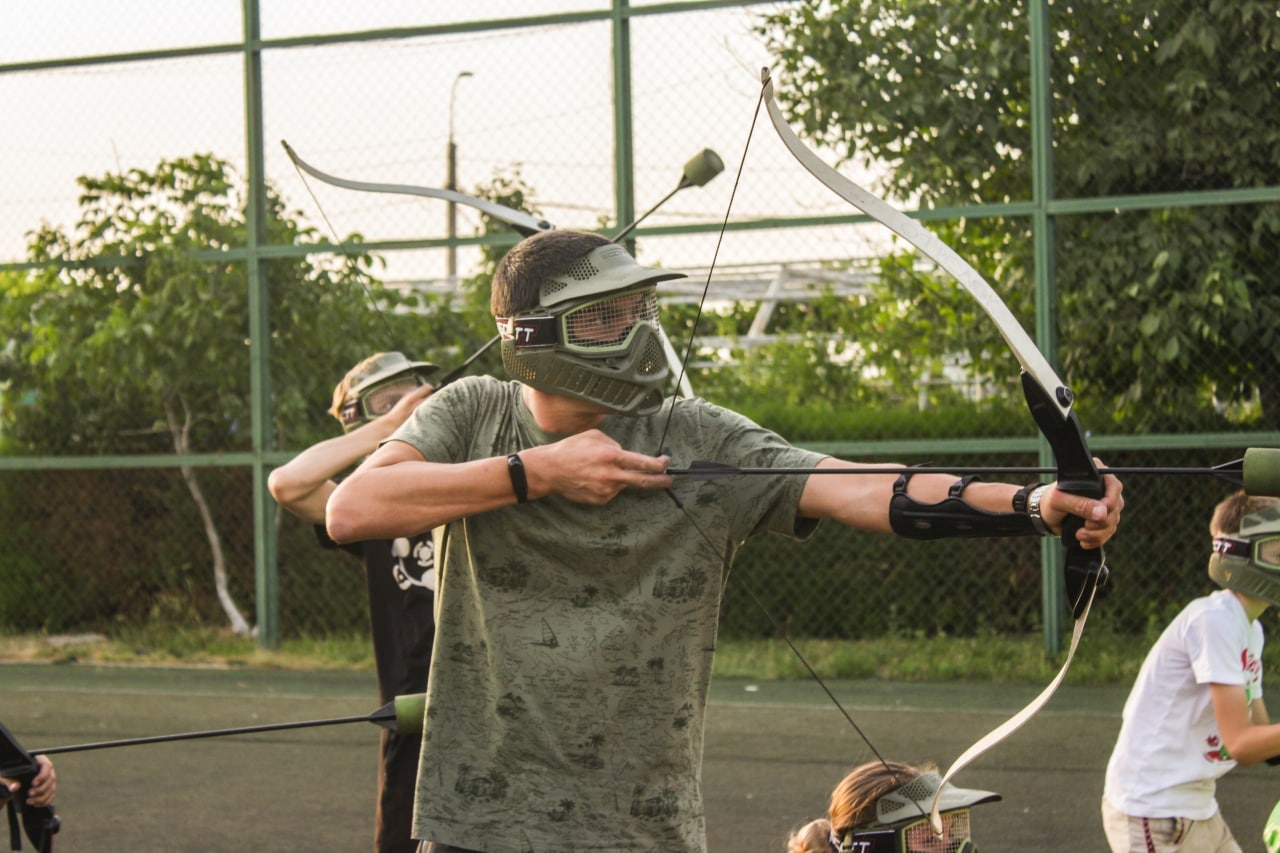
(451, 183)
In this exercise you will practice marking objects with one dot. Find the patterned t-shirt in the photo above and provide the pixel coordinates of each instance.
(574, 643)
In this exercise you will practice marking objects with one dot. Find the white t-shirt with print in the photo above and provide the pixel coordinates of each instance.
(1169, 753)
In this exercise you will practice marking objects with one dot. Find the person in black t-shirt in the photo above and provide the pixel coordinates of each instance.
(375, 397)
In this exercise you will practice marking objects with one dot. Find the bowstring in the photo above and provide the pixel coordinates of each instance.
(778, 627)
(715, 255)
(339, 244)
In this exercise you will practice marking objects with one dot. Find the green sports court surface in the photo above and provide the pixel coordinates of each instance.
(773, 753)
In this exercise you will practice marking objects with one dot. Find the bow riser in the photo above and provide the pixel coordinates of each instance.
(1083, 569)
(1048, 397)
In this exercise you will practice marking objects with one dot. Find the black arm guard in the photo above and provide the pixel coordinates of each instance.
(952, 518)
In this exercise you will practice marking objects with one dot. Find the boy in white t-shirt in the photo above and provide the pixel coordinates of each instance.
(1196, 709)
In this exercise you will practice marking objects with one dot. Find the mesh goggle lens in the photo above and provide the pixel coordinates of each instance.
(912, 837)
(607, 324)
(918, 837)
(379, 399)
(602, 326)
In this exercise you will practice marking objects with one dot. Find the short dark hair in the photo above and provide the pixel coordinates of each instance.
(532, 261)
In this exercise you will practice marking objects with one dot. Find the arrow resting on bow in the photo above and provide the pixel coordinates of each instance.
(1048, 397)
(1257, 472)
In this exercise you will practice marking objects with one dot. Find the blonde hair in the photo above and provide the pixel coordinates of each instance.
(853, 803)
(813, 837)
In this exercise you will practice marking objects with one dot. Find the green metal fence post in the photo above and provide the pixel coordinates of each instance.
(266, 568)
(1042, 228)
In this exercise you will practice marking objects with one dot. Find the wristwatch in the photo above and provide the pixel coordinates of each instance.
(1033, 511)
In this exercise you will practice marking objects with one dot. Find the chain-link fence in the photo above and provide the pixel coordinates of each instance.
(1153, 285)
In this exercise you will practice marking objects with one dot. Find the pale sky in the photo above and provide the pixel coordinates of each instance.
(537, 97)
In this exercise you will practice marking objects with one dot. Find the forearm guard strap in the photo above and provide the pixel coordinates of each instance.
(952, 518)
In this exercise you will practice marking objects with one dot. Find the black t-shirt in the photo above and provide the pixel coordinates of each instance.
(400, 576)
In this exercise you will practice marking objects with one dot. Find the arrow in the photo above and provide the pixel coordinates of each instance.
(402, 715)
(700, 169)
(1258, 471)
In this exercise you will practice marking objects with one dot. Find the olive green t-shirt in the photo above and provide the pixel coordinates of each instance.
(574, 643)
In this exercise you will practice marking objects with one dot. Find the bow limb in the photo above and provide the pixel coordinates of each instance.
(519, 220)
(522, 222)
(928, 243)
(1048, 397)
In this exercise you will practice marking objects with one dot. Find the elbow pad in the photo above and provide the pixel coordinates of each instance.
(951, 518)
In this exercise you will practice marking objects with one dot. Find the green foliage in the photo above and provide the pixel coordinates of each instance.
(1168, 317)
(162, 644)
(852, 421)
(917, 341)
(133, 337)
(96, 549)
(1187, 314)
(506, 187)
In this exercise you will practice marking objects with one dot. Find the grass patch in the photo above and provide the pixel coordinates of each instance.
(1104, 657)
(176, 646)
(1100, 660)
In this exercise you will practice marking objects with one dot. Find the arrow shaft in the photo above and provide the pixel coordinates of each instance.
(729, 471)
(461, 368)
(270, 727)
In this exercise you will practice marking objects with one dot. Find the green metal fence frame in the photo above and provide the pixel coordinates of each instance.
(1042, 210)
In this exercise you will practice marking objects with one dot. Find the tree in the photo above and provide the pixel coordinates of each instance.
(129, 340)
(1165, 313)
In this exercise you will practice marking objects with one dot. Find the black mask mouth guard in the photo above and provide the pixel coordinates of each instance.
(910, 837)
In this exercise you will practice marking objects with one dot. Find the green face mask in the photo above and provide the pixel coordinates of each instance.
(1249, 562)
(595, 335)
